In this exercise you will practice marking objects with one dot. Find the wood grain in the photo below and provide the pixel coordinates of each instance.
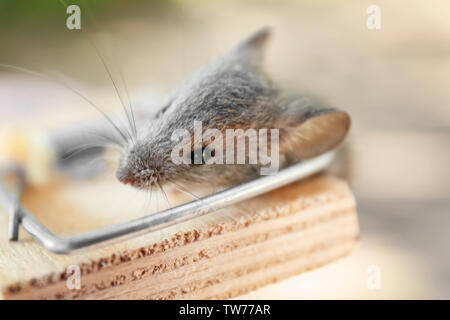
(238, 249)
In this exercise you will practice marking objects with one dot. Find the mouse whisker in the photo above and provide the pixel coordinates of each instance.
(164, 194)
(131, 119)
(183, 189)
(79, 149)
(130, 106)
(151, 192)
(109, 73)
(76, 92)
(108, 139)
(97, 159)
(148, 199)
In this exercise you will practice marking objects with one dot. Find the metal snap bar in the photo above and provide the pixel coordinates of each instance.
(10, 201)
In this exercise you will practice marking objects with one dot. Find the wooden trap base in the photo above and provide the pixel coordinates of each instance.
(222, 255)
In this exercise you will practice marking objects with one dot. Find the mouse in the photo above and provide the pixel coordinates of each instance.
(231, 93)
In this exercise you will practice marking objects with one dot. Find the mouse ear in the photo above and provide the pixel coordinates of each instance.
(252, 48)
(307, 131)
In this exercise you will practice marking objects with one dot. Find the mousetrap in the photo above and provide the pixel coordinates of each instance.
(258, 238)
(218, 246)
(19, 216)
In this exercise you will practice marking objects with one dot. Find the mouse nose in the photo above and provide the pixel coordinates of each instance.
(129, 181)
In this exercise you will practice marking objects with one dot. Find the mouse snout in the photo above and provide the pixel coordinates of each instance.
(128, 180)
(126, 176)
(136, 178)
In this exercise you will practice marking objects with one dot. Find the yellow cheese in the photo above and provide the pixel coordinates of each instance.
(30, 148)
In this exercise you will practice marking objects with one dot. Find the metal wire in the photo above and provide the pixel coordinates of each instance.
(10, 202)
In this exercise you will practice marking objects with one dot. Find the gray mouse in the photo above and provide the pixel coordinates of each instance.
(233, 92)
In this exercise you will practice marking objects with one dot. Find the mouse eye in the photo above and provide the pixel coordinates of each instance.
(193, 157)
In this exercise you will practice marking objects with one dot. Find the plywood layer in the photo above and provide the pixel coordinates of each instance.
(225, 254)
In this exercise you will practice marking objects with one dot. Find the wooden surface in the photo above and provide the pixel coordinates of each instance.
(226, 254)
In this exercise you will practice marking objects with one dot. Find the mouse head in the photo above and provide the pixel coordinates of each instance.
(233, 93)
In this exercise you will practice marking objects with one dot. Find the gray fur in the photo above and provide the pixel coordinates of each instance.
(233, 92)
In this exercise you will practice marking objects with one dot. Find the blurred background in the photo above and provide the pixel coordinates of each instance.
(394, 82)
